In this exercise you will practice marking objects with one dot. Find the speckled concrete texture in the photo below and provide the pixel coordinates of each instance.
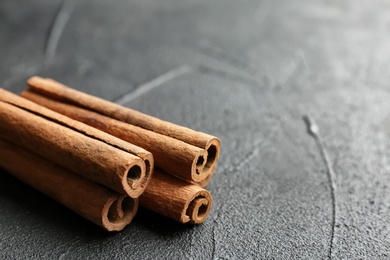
(247, 72)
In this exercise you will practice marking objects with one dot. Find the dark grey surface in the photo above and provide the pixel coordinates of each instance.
(246, 71)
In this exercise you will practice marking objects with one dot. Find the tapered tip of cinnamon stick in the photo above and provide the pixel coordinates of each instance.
(36, 80)
(199, 207)
(119, 212)
(33, 79)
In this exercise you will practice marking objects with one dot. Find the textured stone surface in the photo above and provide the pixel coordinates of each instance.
(254, 68)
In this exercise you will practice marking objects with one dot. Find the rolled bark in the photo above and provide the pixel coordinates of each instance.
(176, 199)
(106, 208)
(206, 181)
(174, 156)
(95, 160)
(137, 184)
(58, 91)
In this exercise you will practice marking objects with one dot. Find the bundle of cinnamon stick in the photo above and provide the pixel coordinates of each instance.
(101, 160)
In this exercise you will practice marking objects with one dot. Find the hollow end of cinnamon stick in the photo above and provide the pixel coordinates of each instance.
(119, 212)
(132, 179)
(137, 177)
(213, 148)
(176, 199)
(134, 176)
(206, 163)
(198, 208)
(198, 172)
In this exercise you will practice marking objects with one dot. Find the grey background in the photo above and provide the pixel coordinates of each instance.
(247, 72)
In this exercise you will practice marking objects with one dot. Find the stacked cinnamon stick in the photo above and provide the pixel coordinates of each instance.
(101, 159)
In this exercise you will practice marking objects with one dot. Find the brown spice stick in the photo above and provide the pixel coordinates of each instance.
(206, 181)
(95, 160)
(174, 156)
(106, 208)
(137, 185)
(176, 199)
(53, 89)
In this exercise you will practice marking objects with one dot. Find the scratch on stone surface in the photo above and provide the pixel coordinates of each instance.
(313, 130)
(191, 244)
(260, 15)
(57, 29)
(249, 156)
(370, 65)
(156, 82)
(209, 49)
(243, 161)
(229, 76)
(262, 12)
(214, 244)
(297, 61)
(302, 56)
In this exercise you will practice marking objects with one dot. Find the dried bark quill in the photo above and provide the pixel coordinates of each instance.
(203, 165)
(174, 156)
(106, 208)
(93, 146)
(176, 199)
(34, 127)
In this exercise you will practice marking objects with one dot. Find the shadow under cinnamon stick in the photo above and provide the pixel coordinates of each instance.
(33, 207)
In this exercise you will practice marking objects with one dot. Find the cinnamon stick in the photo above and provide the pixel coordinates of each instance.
(90, 157)
(174, 156)
(138, 185)
(176, 199)
(60, 92)
(106, 208)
